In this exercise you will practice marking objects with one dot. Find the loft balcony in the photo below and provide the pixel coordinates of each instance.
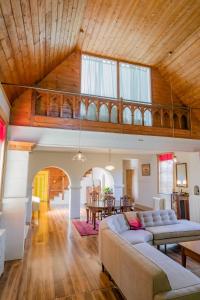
(65, 110)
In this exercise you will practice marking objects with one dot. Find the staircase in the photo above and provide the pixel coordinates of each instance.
(60, 199)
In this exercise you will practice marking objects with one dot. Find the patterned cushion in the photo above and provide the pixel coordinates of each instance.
(157, 218)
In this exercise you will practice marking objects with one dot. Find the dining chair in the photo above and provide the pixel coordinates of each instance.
(125, 203)
(94, 200)
(109, 205)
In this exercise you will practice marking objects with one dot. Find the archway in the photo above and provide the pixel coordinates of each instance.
(95, 178)
(51, 185)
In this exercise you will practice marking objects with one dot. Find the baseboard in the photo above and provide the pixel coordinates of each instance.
(142, 207)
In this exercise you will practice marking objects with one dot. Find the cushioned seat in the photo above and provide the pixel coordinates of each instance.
(182, 229)
(178, 276)
(137, 236)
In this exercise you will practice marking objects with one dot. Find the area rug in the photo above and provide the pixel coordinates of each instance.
(85, 228)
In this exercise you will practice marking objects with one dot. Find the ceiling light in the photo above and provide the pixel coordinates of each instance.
(109, 167)
(79, 156)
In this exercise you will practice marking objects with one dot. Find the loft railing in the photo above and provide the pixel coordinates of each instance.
(114, 111)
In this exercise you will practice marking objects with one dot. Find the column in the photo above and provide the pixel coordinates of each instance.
(74, 203)
(14, 203)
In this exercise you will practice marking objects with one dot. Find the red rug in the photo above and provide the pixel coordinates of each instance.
(85, 228)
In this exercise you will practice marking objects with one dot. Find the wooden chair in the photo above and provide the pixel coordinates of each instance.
(94, 200)
(125, 203)
(109, 206)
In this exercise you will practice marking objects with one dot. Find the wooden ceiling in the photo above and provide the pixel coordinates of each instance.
(36, 35)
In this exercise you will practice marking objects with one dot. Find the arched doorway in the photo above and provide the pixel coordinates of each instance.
(51, 185)
(95, 178)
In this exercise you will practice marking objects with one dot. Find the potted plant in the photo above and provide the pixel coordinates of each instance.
(107, 191)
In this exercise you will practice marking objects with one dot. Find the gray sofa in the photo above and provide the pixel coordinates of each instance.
(140, 270)
(166, 229)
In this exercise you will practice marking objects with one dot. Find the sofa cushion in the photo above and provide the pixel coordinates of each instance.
(137, 236)
(178, 276)
(157, 218)
(183, 228)
(130, 215)
(116, 223)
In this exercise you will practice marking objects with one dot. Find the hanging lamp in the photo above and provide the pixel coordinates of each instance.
(109, 166)
(79, 156)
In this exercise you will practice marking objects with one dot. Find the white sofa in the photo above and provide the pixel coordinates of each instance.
(140, 270)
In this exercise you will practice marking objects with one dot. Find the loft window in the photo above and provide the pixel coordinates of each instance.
(99, 76)
(165, 175)
(135, 82)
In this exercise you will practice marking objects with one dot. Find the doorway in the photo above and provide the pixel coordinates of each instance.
(51, 185)
(130, 182)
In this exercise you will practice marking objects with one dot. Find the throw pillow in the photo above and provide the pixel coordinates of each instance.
(136, 224)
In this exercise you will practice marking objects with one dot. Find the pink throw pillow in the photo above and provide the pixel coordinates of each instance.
(135, 224)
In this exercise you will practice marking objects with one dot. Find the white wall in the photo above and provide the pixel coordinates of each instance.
(75, 171)
(14, 202)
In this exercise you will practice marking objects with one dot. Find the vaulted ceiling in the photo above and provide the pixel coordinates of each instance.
(36, 35)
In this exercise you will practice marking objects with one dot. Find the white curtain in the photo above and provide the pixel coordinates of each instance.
(137, 117)
(99, 76)
(147, 118)
(104, 113)
(135, 83)
(166, 176)
(127, 116)
(114, 115)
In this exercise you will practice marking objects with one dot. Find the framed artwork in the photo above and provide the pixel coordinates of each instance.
(146, 170)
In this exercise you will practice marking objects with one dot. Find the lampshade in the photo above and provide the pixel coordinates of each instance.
(79, 156)
(109, 167)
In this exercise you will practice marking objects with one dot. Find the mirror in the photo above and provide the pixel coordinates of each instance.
(181, 175)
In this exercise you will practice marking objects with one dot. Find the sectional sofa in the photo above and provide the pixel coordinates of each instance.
(139, 269)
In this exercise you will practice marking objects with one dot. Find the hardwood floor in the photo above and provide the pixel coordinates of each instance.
(58, 264)
(61, 265)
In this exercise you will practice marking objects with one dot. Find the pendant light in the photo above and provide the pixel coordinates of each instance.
(109, 166)
(79, 156)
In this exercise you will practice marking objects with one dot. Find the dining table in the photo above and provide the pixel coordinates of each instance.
(98, 207)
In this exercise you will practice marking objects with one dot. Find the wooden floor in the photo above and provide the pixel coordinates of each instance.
(59, 264)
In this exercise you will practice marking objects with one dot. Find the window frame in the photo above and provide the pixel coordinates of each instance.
(158, 176)
(149, 83)
(118, 61)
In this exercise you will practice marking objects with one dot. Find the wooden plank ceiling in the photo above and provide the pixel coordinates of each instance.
(36, 35)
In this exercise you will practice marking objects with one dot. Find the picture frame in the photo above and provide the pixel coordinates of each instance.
(146, 169)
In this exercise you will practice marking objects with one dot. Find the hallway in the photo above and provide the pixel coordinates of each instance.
(58, 264)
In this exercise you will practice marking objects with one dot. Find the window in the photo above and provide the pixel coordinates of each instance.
(165, 173)
(135, 83)
(99, 76)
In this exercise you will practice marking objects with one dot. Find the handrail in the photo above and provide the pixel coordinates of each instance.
(56, 91)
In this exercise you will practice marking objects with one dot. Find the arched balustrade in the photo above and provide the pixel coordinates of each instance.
(147, 118)
(103, 113)
(127, 116)
(114, 114)
(92, 112)
(137, 117)
(108, 110)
